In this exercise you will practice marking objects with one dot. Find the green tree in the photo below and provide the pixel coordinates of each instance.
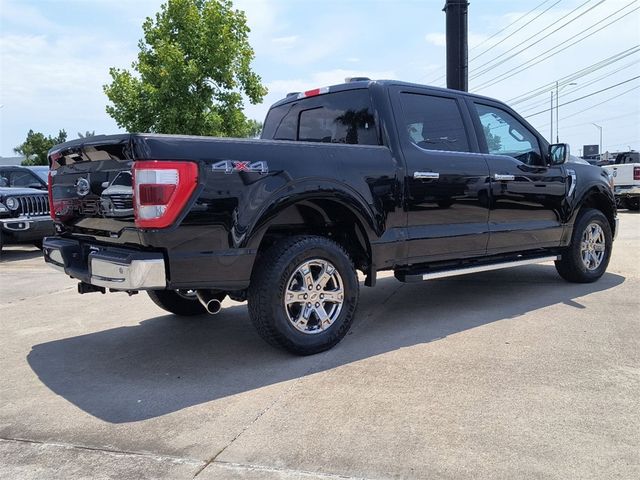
(192, 71)
(254, 128)
(494, 142)
(354, 120)
(36, 146)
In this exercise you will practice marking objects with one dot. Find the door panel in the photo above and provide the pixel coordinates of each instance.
(526, 193)
(525, 207)
(448, 215)
(446, 186)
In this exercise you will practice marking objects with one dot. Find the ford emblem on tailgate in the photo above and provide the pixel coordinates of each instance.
(83, 187)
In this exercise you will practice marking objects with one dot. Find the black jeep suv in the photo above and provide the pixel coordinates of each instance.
(24, 207)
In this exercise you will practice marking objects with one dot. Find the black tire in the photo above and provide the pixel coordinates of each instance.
(272, 275)
(571, 266)
(633, 203)
(38, 244)
(173, 302)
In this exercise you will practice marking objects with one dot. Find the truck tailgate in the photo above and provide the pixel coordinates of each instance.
(623, 173)
(91, 186)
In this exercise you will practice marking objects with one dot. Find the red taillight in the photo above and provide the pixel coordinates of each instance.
(155, 194)
(52, 210)
(161, 190)
(636, 173)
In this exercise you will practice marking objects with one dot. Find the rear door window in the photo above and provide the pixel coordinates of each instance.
(341, 117)
(434, 123)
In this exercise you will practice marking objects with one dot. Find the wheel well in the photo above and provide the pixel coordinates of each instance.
(325, 218)
(600, 201)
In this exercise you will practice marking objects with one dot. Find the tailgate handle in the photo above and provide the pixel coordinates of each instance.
(426, 175)
(504, 177)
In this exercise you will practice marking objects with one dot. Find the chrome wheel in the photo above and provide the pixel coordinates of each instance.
(592, 246)
(314, 296)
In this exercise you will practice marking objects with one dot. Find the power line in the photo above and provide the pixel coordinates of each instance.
(521, 68)
(604, 101)
(490, 65)
(587, 96)
(523, 97)
(513, 23)
(599, 120)
(513, 33)
(502, 30)
(582, 86)
(517, 31)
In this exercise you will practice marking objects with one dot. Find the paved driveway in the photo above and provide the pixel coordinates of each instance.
(507, 374)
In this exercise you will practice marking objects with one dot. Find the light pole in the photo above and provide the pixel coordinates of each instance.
(558, 108)
(551, 110)
(600, 148)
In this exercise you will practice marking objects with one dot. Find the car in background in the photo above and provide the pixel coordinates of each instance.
(626, 178)
(21, 177)
(24, 207)
(42, 171)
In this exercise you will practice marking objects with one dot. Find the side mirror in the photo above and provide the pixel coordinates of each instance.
(558, 153)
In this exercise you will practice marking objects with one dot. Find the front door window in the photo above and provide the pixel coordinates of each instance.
(505, 135)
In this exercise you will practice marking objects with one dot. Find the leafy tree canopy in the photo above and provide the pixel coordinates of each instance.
(494, 142)
(36, 146)
(192, 70)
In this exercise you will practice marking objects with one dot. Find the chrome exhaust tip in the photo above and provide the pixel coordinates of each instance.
(213, 306)
(212, 302)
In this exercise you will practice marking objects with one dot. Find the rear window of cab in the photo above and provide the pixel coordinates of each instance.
(342, 117)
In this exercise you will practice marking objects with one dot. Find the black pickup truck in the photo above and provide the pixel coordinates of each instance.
(367, 175)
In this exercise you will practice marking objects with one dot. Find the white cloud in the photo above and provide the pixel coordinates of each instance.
(285, 42)
(48, 83)
(437, 39)
(440, 39)
(24, 16)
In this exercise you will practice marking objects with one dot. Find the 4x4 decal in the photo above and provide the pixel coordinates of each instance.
(230, 166)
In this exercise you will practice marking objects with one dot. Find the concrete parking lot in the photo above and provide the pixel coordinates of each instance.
(507, 374)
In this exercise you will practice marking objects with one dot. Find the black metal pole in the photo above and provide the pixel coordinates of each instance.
(457, 50)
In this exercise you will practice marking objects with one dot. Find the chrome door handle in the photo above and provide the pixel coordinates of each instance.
(503, 177)
(426, 175)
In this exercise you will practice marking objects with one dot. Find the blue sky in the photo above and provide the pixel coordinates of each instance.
(55, 56)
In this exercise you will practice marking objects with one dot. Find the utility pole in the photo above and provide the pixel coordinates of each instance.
(457, 45)
(557, 119)
(551, 110)
(558, 109)
(600, 148)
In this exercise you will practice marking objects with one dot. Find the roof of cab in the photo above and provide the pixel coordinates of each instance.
(366, 84)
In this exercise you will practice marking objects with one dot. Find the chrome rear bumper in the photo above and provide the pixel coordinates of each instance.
(116, 268)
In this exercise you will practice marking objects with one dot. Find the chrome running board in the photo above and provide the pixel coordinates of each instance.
(452, 272)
